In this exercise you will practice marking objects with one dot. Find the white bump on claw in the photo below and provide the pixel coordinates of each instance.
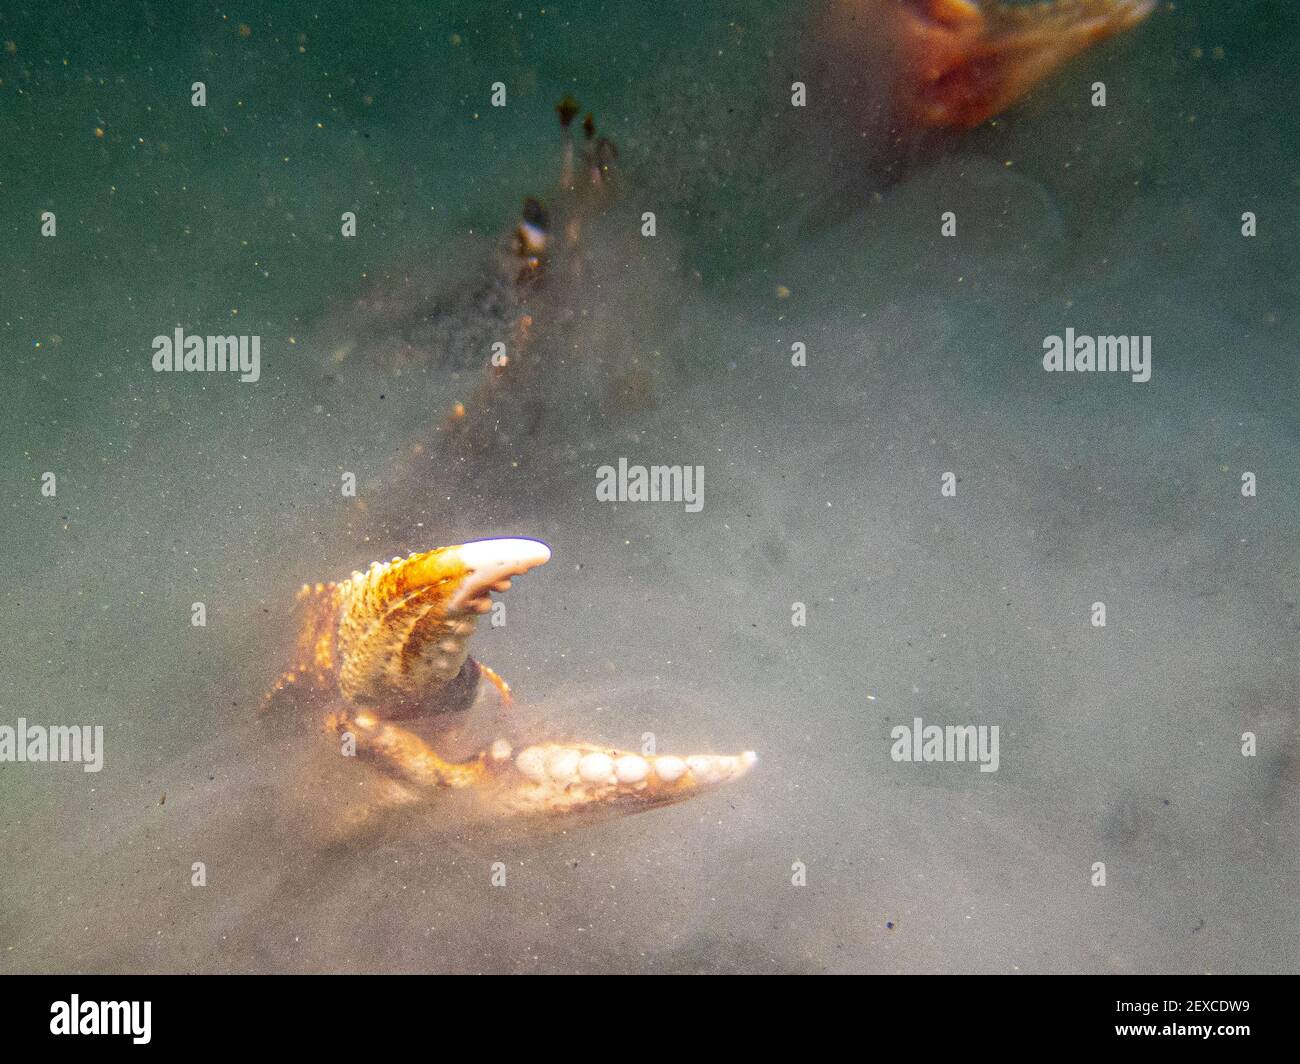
(670, 769)
(499, 750)
(701, 767)
(631, 769)
(562, 765)
(596, 768)
(532, 763)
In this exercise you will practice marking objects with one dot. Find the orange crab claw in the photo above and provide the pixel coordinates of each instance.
(957, 63)
(396, 636)
(395, 639)
(404, 626)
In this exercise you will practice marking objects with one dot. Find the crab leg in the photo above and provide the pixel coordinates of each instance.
(406, 752)
(496, 680)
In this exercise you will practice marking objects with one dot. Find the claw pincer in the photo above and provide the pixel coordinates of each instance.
(394, 642)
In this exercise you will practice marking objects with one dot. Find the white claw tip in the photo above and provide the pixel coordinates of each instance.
(493, 562)
(504, 555)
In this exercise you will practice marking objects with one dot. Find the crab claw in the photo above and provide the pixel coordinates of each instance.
(576, 777)
(398, 636)
(957, 63)
(546, 778)
(491, 563)
(973, 61)
(404, 626)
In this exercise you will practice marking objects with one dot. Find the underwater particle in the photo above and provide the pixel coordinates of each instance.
(245, 30)
(889, 925)
(782, 292)
(11, 48)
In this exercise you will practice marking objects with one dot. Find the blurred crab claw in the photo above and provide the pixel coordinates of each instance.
(559, 778)
(404, 626)
(957, 63)
(971, 60)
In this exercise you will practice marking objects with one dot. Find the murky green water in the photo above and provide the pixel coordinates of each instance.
(1120, 744)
